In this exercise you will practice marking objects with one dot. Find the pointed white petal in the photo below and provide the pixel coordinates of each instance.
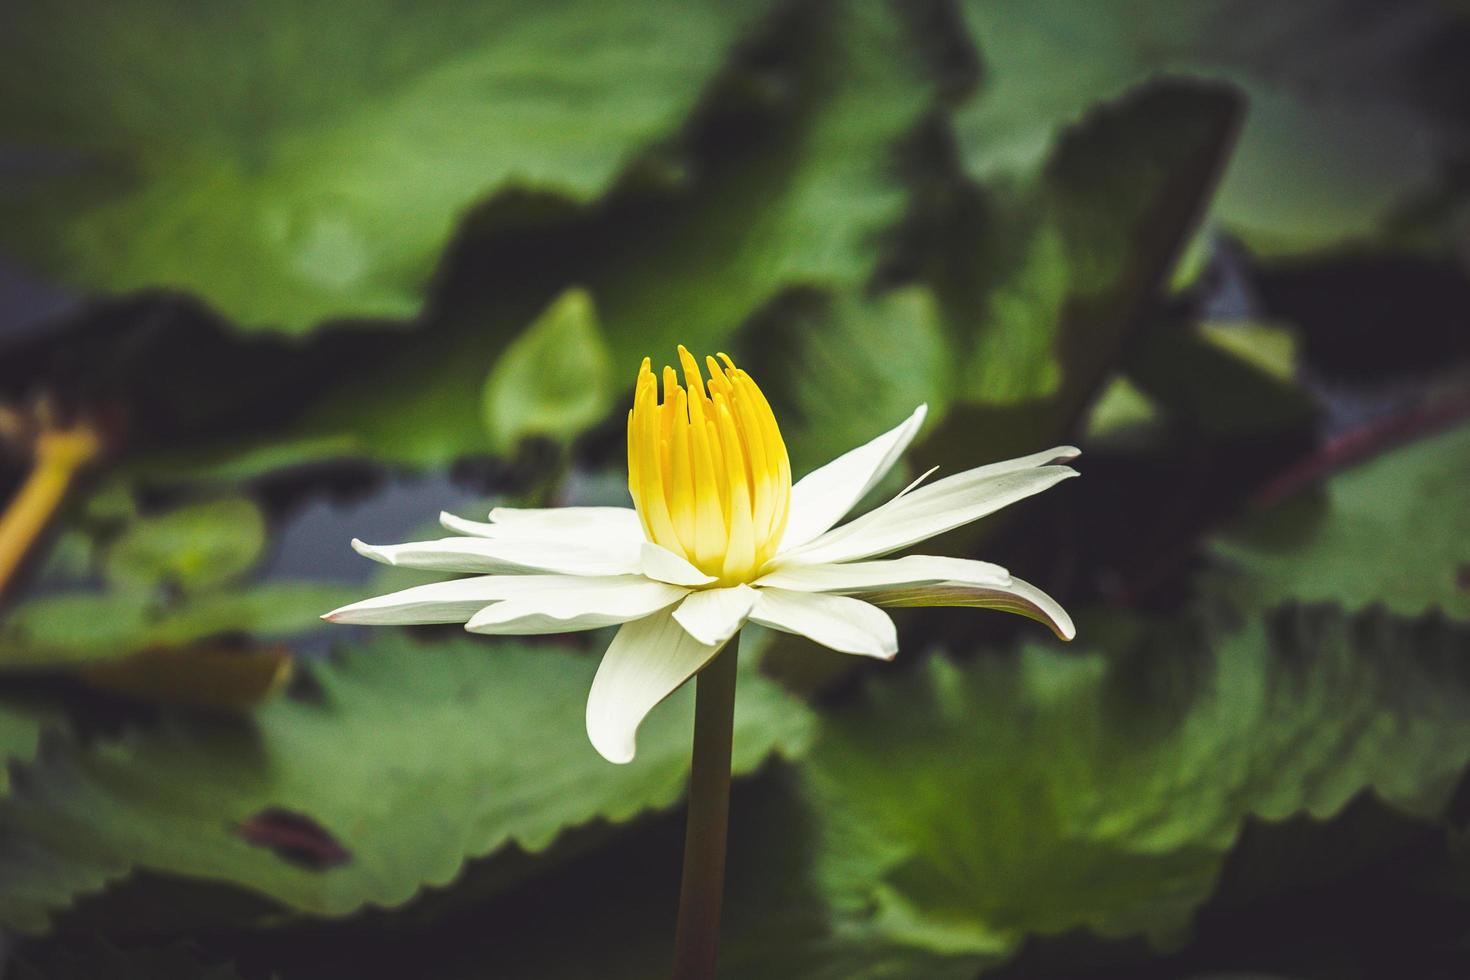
(662, 565)
(825, 495)
(440, 602)
(647, 661)
(859, 576)
(454, 601)
(936, 508)
(845, 624)
(574, 603)
(1018, 597)
(584, 556)
(714, 615)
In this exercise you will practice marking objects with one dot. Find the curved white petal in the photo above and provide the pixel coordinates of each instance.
(575, 603)
(825, 495)
(859, 576)
(936, 508)
(662, 565)
(845, 624)
(647, 661)
(1018, 597)
(713, 615)
(587, 555)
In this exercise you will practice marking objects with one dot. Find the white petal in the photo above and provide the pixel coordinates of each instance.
(573, 523)
(662, 565)
(825, 495)
(713, 615)
(586, 555)
(845, 624)
(576, 603)
(860, 576)
(1018, 597)
(936, 508)
(648, 660)
(617, 520)
(454, 601)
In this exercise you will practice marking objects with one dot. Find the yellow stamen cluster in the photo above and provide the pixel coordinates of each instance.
(708, 470)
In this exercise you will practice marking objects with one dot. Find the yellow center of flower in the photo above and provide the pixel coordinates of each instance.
(707, 469)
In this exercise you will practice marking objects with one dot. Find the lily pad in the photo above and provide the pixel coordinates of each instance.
(410, 759)
(292, 163)
(1338, 135)
(965, 807)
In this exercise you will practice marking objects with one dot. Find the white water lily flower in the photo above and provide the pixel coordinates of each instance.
(718, 536)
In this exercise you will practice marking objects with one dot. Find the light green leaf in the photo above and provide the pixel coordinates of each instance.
(966, 807)
(555, 380)
(1394, 530)
(411, 759)
(1337, 137)
(195, 547)
(297, 162)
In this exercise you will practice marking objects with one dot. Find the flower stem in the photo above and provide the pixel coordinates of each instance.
(698, 935)
(59, 455)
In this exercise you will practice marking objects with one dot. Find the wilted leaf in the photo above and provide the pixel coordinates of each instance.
(198, 676)
(965, 807)
(1395, 530)
(292, 163)
(413, 758)
(194, 547)
(555, 380)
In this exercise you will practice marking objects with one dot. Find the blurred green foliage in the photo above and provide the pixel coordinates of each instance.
(335, 248)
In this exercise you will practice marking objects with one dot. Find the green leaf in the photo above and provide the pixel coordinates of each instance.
(79, 628)
(842, 369)
(801, 199)
(1393, 531)
(196, 547)
(21, 727)
(1338, 135)
(1043, 280)
(964, 807)
(293, 163)
(411, 759)
(555, 380)
(1206, 381)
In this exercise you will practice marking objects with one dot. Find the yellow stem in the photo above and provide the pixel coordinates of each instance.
(59, 455)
